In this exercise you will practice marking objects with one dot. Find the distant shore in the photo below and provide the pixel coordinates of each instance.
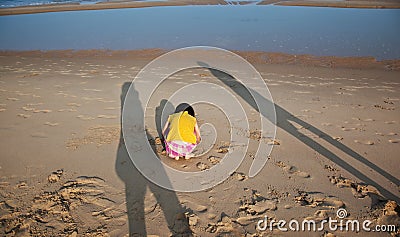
(101, 6)
(391, 4)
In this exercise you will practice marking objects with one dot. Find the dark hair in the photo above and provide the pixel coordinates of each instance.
(185, 107)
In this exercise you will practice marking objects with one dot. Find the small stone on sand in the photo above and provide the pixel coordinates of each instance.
(202, 166)
(53, 178)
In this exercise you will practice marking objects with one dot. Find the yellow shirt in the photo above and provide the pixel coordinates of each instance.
(181, 127)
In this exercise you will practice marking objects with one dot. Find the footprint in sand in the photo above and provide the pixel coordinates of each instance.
(316, 200)
(83, 117)
(89, 195)
(274, 142)
(326, 124)
(2, 109)
(33, 104)
(390, 215)
(22, 94)
(74, 104)
(390, 122)
(39, 135)
(358, 107)
(99, 135)
(67, 110)
(24, 115)
(94, 90)
(302, 92)
(239, 176)
(150, 204)
(66, 95)
(330, 168)
(26, 108)
(337, 138)
(289, 169)
(214, 160)
(194, 205)
(42, 111)
(316, 111)
(13, 99)
(365, 142)
(348, 129)
(364, 120)
(321, 215)
(358, 190)
(368, 120)
(111, 108)
(107, 116)
(51, 124)
(386, 90)
(342, 93)
(202, 166)
(394, 140)
(105, 101)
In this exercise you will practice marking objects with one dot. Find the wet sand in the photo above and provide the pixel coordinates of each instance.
(392, 4)
(103, 6)
(388, 4)
(65, 171)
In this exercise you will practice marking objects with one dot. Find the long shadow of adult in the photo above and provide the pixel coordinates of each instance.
(136, 186)
(284, 119)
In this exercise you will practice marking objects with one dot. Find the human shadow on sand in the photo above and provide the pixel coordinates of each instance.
(161, 114)
(136, 186)
(284, 119)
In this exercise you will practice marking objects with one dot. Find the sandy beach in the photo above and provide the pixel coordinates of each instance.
(65, 171)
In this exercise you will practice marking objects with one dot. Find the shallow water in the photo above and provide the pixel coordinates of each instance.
(297, 30)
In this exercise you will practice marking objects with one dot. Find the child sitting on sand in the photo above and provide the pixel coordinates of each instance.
(181, 132)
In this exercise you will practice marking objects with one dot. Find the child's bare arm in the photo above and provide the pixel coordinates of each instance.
(197, 131)
(165, 128)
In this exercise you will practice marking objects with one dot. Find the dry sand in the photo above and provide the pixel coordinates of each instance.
(64, 170)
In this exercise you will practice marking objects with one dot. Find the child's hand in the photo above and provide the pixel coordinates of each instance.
(197, 132)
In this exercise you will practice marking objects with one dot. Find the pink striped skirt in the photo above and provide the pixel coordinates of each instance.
(179, 148)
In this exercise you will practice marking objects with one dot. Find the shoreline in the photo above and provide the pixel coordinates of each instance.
(381, 4)
(363, 4)
(101, 6)
(254, 57)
